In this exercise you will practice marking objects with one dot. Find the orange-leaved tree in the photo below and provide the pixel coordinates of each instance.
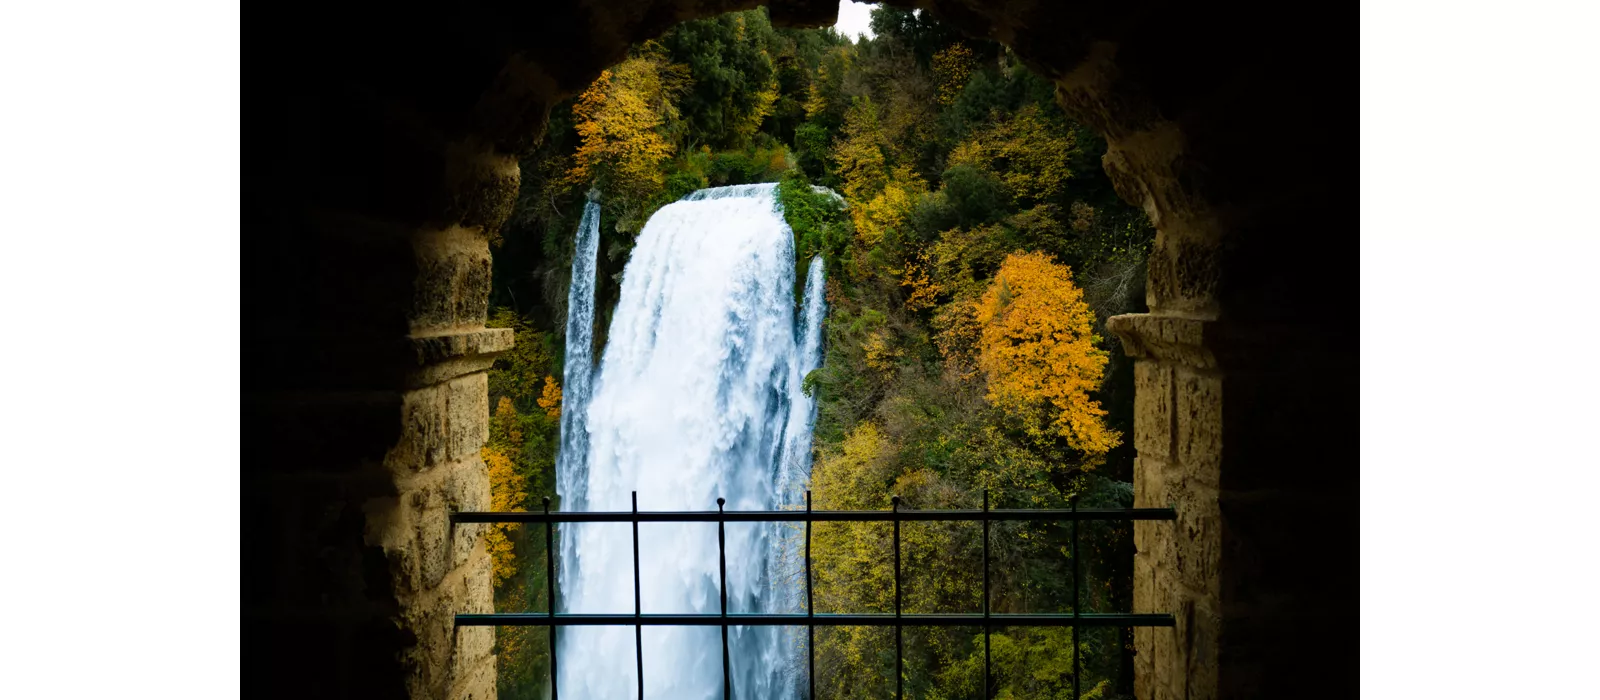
(1038, 349)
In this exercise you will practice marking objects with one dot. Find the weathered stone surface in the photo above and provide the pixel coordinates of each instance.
(1247, 569)
(467, 490)
(414, 528)
(478, 682)
(1149, 483)
(452, 284)
(1172, 339)
(1153, 409)
(436, 662)
(441, 424)
(1196, 548)
(483, 187)
(442, 357)
(1199, 425)
(434, 349)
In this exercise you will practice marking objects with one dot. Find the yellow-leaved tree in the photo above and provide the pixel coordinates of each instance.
(883, 197)
(1028, 152)
(626, 120)
(550, 398)
(852, 573)
(746, 122)
(508, 491)
(951, 68)
(1038, 349)
(889, 210)
(826, 88)
(922, 292)
(858, 154)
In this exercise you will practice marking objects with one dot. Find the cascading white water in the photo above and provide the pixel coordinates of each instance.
(698, 397)
(571, 460)
(803, 415)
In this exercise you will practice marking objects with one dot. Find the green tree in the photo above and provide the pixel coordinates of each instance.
(736, 83)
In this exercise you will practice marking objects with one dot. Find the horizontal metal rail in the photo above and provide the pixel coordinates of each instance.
(988, 620)
(819, 619)
(815, 516)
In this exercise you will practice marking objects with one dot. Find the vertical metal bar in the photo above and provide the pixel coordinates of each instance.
(638, 630)
(899, 655)
(811, 628)
(550, 589)
(1077, 603)
(986, 682)
(722, 564)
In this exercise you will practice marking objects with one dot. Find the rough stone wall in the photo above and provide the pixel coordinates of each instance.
(384, 152)
(367, 411)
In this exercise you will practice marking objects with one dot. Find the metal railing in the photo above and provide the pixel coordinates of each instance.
(809, 618)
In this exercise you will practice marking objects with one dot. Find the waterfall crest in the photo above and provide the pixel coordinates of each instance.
(698, 396)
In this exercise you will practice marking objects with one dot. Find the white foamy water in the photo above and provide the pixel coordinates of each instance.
(577, 377)
(697, 397)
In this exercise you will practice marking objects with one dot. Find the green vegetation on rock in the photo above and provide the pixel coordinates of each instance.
(973, 258)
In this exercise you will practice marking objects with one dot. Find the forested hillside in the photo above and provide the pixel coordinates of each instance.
(977, 253)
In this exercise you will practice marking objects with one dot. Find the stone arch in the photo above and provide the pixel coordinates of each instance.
(386, 150)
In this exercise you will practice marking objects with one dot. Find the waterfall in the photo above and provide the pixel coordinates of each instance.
(803, 413)
(577, 375)
(697, 397)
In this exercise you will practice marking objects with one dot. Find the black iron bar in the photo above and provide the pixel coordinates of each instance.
(811, 629)
(638, 630)
(784, 516)
(820, 619)
(899, 648)
(986, 683)
(1077, 603)
(722, 567)
(550, 590)
(1077, 619)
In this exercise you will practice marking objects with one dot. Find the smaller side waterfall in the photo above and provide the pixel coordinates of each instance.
(803, 408)
(577, 375)
(785, 558)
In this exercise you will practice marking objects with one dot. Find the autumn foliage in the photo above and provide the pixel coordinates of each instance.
(1026, 151)
(508, 491)
(550, 398)
(951, 68)
(974, 246)
(1038, 349)
(625, 119)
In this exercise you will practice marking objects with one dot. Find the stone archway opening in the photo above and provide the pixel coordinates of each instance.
(393, 142)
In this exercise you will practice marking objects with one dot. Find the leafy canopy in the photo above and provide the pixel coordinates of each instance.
(1038, 348)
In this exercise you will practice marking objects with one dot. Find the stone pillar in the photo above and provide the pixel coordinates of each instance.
(438, 570)
(1239, 427)
(365, 399)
